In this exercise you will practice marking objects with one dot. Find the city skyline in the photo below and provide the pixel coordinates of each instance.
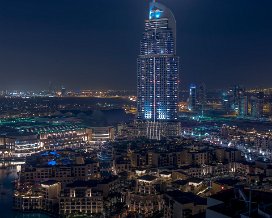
(70, 44)
(81, 147)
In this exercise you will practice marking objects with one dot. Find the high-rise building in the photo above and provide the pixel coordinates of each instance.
(202, 97)
(231, 99)
(257, 103)
(192, 98)
(63, 91)
(238, 92)
(243, 106)
(226, 101)
(158, 70)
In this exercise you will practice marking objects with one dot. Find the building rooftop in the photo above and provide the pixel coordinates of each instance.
(49, 182)
(108, 180)
(186, 197)
(194, 180)
(180, 182)
(229, 182)
(166, 173)
(234, 210)
(83, 184)
(257, 196)
(147, 178)
(234, 204)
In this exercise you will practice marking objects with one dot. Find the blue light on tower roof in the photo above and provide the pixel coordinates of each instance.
(155, 13)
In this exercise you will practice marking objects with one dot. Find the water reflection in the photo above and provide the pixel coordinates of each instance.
(8, 174)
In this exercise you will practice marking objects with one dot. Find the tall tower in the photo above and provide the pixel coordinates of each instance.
(257, 105)
(158, 70)
(192, 98)
(202, 97)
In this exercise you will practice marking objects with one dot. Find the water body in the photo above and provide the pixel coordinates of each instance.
(7, 175)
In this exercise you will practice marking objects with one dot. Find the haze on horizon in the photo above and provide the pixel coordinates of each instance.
(94, 44)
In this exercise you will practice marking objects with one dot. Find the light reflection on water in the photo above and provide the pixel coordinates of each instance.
(8, 173)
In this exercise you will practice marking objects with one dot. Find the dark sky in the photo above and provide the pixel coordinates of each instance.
(94, 43)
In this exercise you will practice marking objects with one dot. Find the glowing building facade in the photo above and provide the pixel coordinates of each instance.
(192, 98)
(158, 69)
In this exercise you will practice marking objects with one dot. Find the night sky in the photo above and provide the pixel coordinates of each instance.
(94, 44)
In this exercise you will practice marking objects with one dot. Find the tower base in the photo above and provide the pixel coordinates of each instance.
(158, 130)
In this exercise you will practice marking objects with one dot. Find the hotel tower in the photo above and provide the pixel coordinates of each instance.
(158, 72)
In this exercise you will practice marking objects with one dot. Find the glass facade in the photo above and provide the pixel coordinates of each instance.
(192, 98)
(158, 67)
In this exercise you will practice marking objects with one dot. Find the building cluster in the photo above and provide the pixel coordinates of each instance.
(197, 100)
(178, 178)
(259, 142)
(247, 104)
(63, 92)
(237, 101)
(66, 183)
(24, 138)
(31, 107)
(172, 178)
(190, 158)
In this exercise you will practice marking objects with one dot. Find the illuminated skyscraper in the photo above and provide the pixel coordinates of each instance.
(257, 105)
(192, 98)
(202, 97)
(63, 91)
(158, 69)
(243, 106)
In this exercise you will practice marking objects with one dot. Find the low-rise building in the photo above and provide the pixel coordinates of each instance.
(78, 198)
(178, 204)
(145, 199)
